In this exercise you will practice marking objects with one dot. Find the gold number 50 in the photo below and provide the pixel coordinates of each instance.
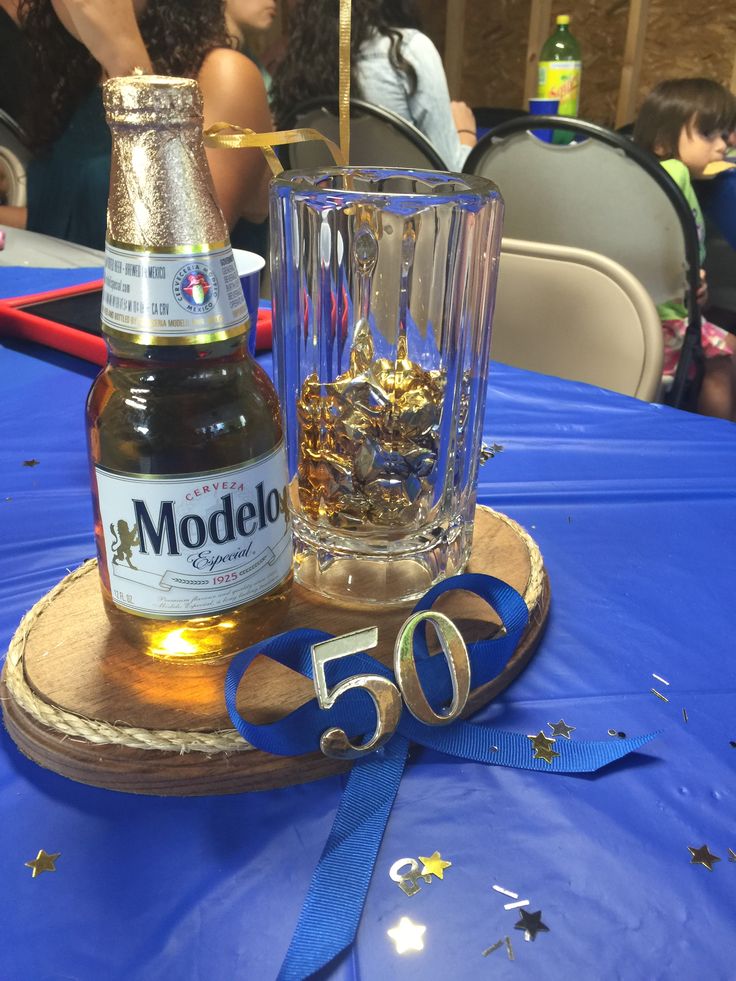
(386, 698)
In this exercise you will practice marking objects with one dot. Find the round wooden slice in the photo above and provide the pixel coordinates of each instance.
(80, 701)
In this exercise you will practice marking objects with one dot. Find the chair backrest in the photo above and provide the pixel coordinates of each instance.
(14, 157)
(602, 193)
(378, 138)
(576, 314)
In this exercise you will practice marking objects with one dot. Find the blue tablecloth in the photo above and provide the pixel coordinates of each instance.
(634, 508)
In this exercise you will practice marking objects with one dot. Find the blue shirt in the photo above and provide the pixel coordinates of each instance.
(429, 106)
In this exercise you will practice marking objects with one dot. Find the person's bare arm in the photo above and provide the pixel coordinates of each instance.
(109, 30)
(702, 295)
(465, 124)
(233, 92)
(13, 216)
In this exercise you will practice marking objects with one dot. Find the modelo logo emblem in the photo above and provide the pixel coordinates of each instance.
(195, 288)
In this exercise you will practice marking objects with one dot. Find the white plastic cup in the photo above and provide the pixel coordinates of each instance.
(249, 266)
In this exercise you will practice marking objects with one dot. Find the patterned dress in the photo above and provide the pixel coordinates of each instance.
(674, 314)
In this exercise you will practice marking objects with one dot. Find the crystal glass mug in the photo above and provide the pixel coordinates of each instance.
(383, 287)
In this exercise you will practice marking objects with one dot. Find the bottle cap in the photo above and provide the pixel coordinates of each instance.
(563, 19)
(141, 99)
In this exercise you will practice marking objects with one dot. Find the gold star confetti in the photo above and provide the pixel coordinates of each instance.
(561, 728)
(434, 864)
(541, 741)
(407, 935)
(531, 924)
(488, 452)
(544, 754)
(43, 862)
(31, 463)
(701, 856)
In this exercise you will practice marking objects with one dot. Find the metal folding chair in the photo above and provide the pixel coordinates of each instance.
(605, 194)
(576, 314)
(378, 138)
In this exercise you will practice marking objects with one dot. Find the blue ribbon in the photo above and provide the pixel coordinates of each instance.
(331, 912)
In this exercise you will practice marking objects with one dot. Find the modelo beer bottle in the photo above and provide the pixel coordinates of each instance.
(188, 463)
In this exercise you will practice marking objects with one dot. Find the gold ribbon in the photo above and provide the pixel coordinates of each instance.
(227, 135)
(237, 137)
(343, 101)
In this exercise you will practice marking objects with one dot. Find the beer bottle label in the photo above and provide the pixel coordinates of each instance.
(195, 544)
(152, 296)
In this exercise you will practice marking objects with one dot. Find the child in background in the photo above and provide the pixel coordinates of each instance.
(685, 122)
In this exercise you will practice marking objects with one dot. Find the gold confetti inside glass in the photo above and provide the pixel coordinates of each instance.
(383, 289)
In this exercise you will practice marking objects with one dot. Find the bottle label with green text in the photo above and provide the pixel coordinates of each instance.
(195, 544)
(172, 294)
(561, 80)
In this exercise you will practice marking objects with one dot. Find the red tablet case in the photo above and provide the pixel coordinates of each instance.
(24, 324)
(16, 321)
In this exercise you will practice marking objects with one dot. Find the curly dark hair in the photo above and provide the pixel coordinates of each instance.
(62, 71)
(310, 67)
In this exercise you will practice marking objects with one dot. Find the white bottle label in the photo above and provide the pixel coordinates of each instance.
(195, 544)
(172, 294)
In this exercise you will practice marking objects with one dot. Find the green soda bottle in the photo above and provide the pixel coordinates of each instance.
(559, 72)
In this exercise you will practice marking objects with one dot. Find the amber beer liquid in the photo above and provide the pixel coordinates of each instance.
(188, 464)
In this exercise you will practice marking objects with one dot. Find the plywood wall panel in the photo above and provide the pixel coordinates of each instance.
(680, 40)
(686, 40)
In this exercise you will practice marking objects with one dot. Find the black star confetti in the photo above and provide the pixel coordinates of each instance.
(531, 924)
(701, 856)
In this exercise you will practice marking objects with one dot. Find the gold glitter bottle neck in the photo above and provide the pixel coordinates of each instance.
(161, 193)
(141, 99)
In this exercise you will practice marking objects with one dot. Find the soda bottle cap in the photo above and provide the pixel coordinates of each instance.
(141, 99)
(563, 19)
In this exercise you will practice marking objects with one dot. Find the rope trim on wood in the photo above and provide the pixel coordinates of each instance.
(169, 740)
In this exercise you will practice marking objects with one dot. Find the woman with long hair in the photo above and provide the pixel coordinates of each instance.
(393, 65)
(73, 46)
